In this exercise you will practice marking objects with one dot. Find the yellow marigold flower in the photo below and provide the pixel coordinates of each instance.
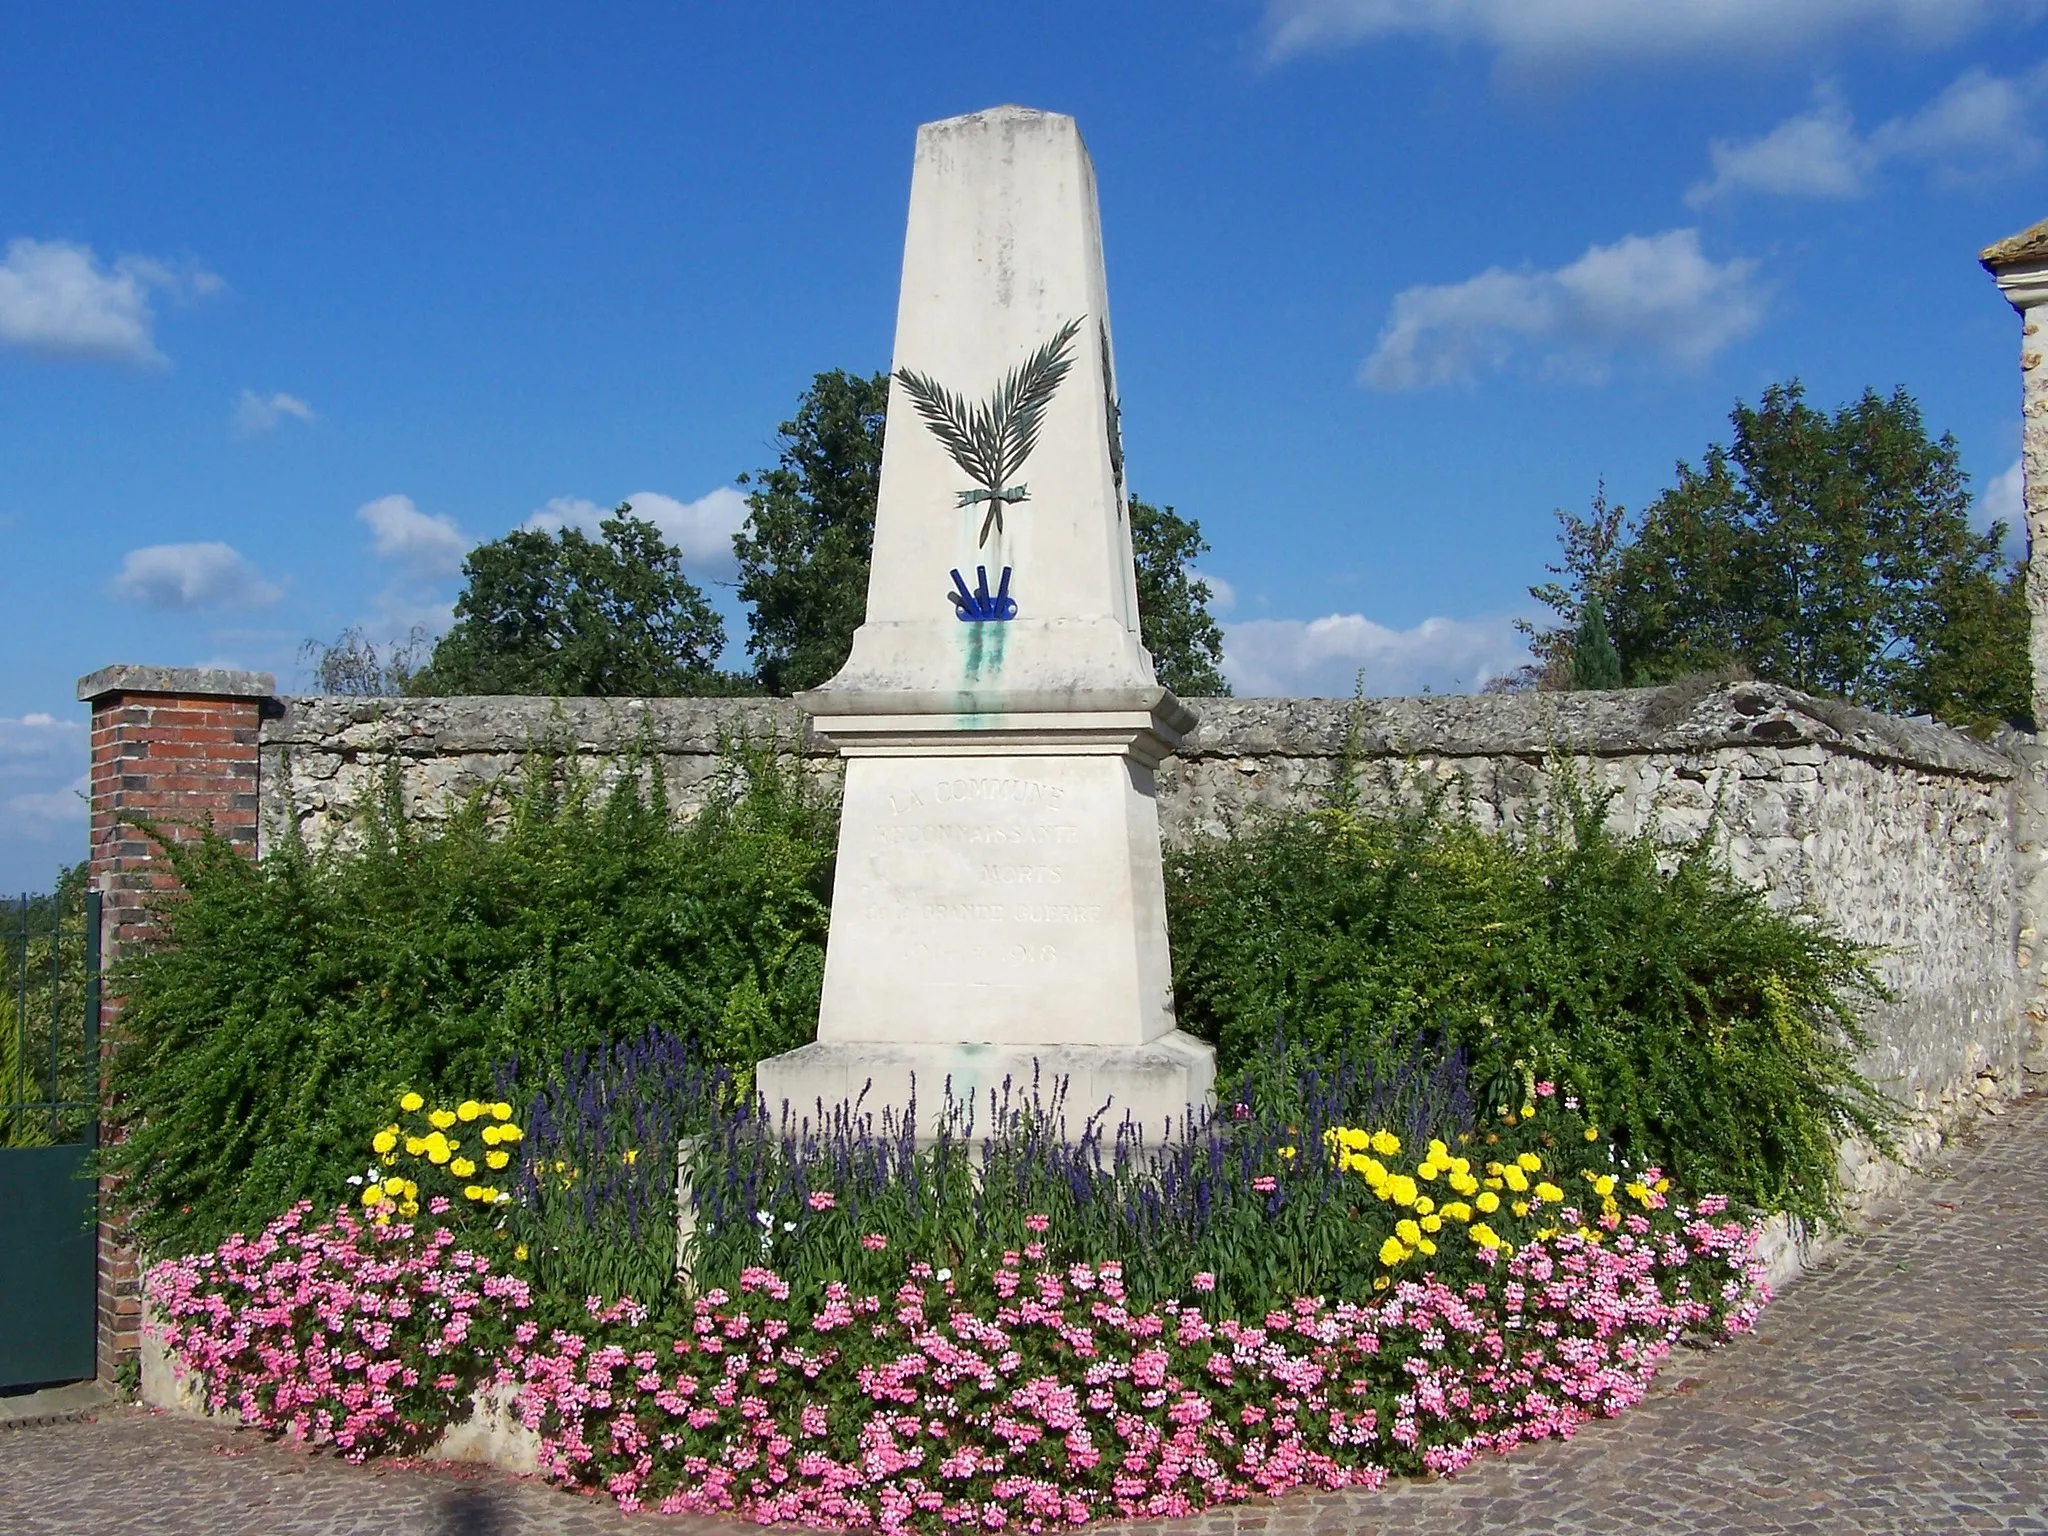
(412, 1190)
(441, 1119)
(1517, 1180)
(1407, 1231)
(1424, 1205)
(410, 1101)
(1496, 1183)
(1426, 1248)
(1386, 1143)
(1662, 1186)
(438, 1155)
(1529, 1162)
(519, 1252)
(373, 1194)
(511, 1134)
(497, 1159)
(630, 1156)
(468, 1110)
(1548, 1191)
(1487, 1202)
(1604, 1184)
(1464, 1184)
(507, 1134)
(472, 1191)
(1426, 1171)
(1461, 1167)
(383, 1142)
(1592, 1134)
(1640, 1193)
(1438, 1152)
(1401, 1189)
(1483, 1235)
(462, 1168)
(415, 1146)
(1432, 1223)
(1458, 1210)
(490, 1135)
(410, 1209)
(1391, 1251)
(1380, 1282)
(1354, 1139)
(1528, 1111)
(1520, 1207)
(501, 1110)
(1609, 1208)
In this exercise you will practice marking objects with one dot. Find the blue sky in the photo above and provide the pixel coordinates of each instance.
(294, 307)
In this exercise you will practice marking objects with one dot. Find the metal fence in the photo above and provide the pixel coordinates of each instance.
(49, 1018)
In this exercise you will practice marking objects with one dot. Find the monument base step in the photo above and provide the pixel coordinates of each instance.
(1160, 1086)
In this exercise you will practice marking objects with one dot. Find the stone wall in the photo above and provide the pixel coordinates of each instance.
(1908, 836)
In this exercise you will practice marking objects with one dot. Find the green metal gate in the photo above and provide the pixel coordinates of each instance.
(49, 1128)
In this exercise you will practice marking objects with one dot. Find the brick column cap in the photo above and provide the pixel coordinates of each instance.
(2020, 264)
(184, 682)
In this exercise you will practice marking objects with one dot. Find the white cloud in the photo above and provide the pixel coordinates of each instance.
(56, 298)
(1658, 294)
(183, 578)
(1980, 125)
(256, 414)
(43, 769)
(701, 529)
(2004, 500)
(427, 545)
(1572, 31)
(1320, 658)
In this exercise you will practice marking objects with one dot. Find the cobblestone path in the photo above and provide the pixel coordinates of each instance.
(1901, 1389)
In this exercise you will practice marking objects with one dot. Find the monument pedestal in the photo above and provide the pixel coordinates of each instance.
(998, 916)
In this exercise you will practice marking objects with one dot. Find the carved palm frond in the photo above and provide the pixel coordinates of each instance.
(974, 447)
(1017, 409)
(991, 441)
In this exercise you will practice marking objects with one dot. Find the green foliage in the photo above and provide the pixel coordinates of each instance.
(1595, 662)
(263, 1041)
(42, 1014)
(1173, 602)
(1707, 1031)
(810, 531)
(357, 667)
(1831, 553)
(563, 614)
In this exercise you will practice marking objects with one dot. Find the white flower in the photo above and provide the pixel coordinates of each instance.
(789, 1226)
(943, 1276)
(355, 1178)
(767, 1221)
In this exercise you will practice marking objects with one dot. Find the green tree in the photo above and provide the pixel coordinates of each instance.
(1595, 662)
(1173, 602)
(356, 666)
(810, 532)
(1831, 553)
(565, 614)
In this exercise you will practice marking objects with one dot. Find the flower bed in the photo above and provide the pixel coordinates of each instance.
(1039, 1401)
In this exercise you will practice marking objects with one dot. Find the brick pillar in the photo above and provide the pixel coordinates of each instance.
(177, 748)
(2020, 267)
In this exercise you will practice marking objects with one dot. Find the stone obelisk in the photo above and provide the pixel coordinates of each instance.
(999, 905)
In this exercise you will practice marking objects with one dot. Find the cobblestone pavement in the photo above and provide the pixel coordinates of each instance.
(1902, 1388)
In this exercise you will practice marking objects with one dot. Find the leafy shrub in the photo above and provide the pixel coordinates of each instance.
(264, 1039)
(1708, 1032)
